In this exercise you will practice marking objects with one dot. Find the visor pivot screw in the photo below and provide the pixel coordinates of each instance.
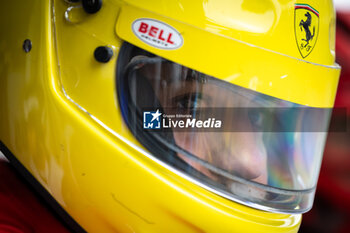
(92, 6)
(27, 45)
(103, 54)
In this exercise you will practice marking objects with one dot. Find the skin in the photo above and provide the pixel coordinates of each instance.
(240, 153)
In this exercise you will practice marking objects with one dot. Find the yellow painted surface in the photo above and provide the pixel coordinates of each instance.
(287, 76)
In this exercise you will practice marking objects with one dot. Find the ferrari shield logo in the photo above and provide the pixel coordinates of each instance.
(306, 24)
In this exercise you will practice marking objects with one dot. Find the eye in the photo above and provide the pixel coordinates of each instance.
(187, 101)
(256, 118)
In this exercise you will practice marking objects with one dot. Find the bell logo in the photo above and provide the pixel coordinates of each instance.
(157, 34)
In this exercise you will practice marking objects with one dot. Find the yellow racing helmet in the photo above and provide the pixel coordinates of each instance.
(169, 116)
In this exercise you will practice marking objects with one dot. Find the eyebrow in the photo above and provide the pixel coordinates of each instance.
(192, 95)
(200, 77)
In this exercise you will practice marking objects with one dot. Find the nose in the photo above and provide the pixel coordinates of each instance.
(244, 155)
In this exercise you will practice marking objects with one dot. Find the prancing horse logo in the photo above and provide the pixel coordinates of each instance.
(306, 25)
(306, 19)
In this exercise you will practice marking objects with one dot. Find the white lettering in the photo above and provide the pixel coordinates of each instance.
(191, 123)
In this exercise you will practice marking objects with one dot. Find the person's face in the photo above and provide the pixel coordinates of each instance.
(183, 91)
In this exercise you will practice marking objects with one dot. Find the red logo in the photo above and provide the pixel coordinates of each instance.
(157, 34)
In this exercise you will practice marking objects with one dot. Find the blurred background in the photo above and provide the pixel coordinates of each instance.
(331, 210)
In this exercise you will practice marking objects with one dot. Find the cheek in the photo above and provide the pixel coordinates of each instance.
(198, 146)
(242, 154)
(248, 154)
(195, 143)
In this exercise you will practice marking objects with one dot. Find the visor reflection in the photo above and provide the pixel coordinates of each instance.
(275, 169)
